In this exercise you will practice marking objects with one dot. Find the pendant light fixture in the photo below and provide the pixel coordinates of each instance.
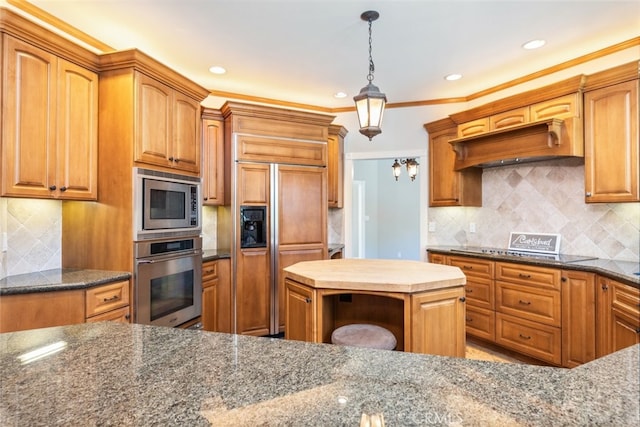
(370, 101)
(412, 168)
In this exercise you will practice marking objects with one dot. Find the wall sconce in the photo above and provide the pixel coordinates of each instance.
(370, 101)
(412, 168)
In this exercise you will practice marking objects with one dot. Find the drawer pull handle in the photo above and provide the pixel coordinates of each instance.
(524, 302)
(524, 276)
(467, 267)
(307, 300)
(469, 319)
(113, 298)
(208, 271)
(469, 291)
(525, 337)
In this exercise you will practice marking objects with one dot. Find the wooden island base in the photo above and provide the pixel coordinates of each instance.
(422, 304)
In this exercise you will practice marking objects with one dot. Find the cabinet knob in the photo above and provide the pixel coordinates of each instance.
(171, 159)
(588, 194)
(462, 299)
(127, 316)
(52, 187)
(564, 279)
(307, 300)
(605, 288)
(63, 188)
(469, 319)
(176, 160)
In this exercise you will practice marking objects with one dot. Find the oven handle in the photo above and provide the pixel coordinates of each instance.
(167, 257)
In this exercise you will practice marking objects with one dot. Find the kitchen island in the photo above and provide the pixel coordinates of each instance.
(135, 375)
(421, 304)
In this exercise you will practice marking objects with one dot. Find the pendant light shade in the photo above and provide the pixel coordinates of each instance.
(370, 102)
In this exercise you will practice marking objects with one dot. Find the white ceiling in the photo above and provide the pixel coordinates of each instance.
(304, 51)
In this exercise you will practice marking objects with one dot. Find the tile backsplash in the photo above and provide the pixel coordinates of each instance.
(543, 197)
(34, 235)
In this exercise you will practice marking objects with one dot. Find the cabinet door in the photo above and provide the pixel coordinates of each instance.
(335, 165)
(154, 118)
(224, 313)
(213, 161)
(28, 120)
(253, 184)
(578, 318)
(438, 323)
(253, 291)
(299, 312)
(185, 138)
(209, 304)
(611, 144)
(41, 310)
(301, 223)
(448, 187)
(77, 141)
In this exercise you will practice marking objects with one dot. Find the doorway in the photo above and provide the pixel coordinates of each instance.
(385, 219)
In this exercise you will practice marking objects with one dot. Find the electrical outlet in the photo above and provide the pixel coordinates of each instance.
(432, 226)
(472, 227)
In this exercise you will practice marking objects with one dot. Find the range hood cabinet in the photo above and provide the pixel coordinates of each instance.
(533, 141)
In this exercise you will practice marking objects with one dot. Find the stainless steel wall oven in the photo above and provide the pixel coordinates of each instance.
(168, 277)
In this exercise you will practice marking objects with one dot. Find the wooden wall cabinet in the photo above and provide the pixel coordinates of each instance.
(448, 187)
(216, 296)
(212, 157)
(612, 157)
(335, 165)
(168, 126)
(49, 125)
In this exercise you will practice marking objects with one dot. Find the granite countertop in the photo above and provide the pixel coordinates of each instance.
(375, 275)
(59, 280)
(623, 271)
(214, 254)
(121, 374)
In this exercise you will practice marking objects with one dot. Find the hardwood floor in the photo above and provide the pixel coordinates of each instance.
(479, 352)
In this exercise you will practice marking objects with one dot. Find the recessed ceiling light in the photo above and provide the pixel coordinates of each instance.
(216, 69)
(534, 44)
(339, 95)
(453, 77)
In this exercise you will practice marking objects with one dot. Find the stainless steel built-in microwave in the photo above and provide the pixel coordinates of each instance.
(166, 204)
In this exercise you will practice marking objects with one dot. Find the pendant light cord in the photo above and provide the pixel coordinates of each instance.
(371, 66)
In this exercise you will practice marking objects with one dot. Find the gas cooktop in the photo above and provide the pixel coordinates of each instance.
(565, 259)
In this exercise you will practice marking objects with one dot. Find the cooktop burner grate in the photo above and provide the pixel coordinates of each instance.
(566, 259)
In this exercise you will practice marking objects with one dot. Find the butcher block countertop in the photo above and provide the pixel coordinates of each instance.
(380, 275)
(134, 375)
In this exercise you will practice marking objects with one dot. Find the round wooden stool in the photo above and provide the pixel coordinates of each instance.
(364, 335)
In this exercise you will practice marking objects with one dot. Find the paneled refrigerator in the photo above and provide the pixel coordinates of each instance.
(275, 205)
(281, 213)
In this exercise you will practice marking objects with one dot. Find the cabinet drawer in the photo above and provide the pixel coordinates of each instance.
(538, 305)
(106, 297)
(473, 127)
(528, 275)
(479, 292)
(473, 266)
(481, 323)
(626, 300)
(560, 108)
(509, 118)
(209, 272)
(118, 315)
(542, 342)
(438, 259)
